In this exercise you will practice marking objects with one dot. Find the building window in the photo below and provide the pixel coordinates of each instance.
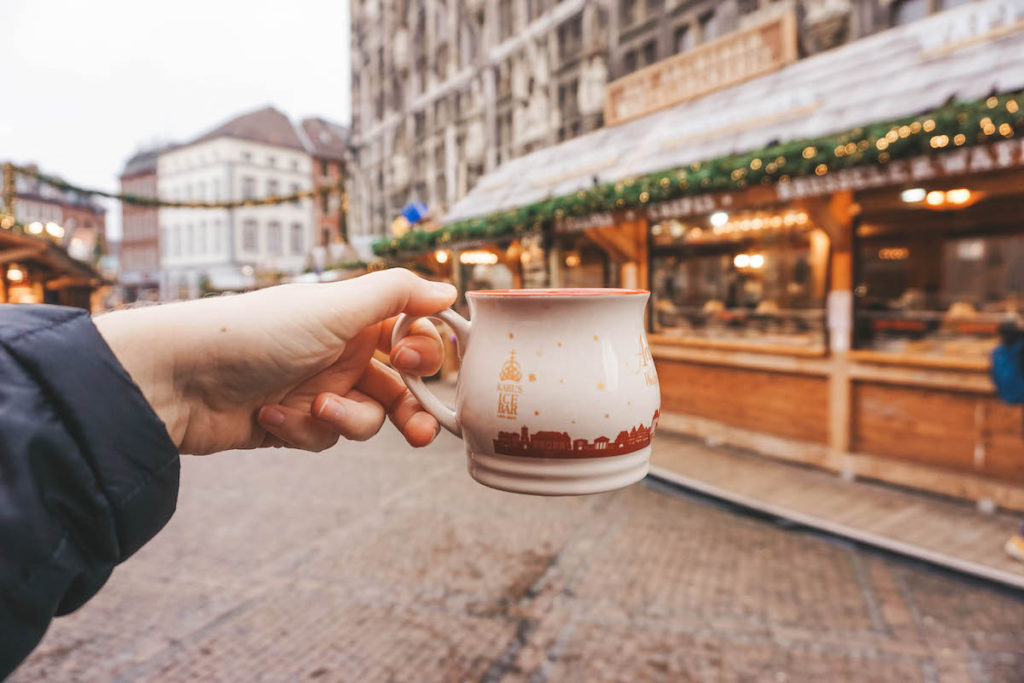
(748, 6)
(570, 37)
(190, 237)
(246, 157)
(655, 6)
(217, 237)
(216, 190)
(627, 12)
(248, 187)
(708, 27)
(273, 187)
(906, 11)
(295, 164)
(176, 241)
(629, 62)
(650, 52)
(271, 162)
(295, 239)
(325, 201)
(275, 245)
(323, 167)
(250, 236)
(294, 190)
(683, 40)
(202, 246)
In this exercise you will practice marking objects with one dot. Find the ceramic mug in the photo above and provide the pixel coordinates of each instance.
(557, 392)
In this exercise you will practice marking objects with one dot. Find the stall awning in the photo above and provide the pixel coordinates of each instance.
(966, 53)
(18, 248)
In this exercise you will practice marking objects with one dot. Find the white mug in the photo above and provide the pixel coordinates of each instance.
(557, 393)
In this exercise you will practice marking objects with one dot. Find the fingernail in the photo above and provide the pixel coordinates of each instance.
(273, 417)
(331, 410)
(408, 358)
(443, 288)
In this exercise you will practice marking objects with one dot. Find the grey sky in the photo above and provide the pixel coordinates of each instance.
(86, 83)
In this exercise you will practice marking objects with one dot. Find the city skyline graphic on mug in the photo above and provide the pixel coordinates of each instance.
(553, 444)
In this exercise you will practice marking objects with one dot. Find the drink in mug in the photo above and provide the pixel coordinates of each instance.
(557, 393)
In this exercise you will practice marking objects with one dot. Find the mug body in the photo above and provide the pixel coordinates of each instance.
(557, 394)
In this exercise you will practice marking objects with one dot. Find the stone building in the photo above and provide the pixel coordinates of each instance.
(139, 267)
(444, 91)
(254, 155)
(327, 144)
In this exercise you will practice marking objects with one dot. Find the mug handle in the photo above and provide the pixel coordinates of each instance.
(433, 405)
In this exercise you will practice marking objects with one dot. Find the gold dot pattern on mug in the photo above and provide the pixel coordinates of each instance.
(536, 412)
(600, 386)
(595, 337)
(533, 377)
(511, 336)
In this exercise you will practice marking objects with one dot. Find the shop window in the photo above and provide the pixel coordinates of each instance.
(755, 277)
(938, 283)
(570, 38)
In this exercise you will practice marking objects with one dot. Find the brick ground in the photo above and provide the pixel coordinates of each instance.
(373, 562)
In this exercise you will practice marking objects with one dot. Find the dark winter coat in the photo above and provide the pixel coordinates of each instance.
(88, 473)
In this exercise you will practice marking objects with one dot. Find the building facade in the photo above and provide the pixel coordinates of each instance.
(443, 92)
(327, 144)
(252, 156)
(74, 221)
(139, 266)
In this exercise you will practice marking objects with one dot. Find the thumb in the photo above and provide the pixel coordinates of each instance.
(375, 297)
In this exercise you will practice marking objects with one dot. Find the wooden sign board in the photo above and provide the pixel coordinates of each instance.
(732, 59)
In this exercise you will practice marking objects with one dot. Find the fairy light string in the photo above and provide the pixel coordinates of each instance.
(960, 124)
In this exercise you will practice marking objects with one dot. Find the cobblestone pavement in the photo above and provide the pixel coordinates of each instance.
(376, 563)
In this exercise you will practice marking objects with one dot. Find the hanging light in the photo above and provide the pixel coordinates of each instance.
(756, 260)
(441, 256)
(478, 257)
(35, 227)
(935, 198)
(54, 230)
(913, 195)
(741, 260)
(15, 274)
(719, 218)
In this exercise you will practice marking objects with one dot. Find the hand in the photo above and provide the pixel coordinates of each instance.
(290, 365)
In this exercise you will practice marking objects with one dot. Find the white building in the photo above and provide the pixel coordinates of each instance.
(252, 156)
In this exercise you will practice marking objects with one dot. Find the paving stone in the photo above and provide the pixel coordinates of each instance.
(375, 562)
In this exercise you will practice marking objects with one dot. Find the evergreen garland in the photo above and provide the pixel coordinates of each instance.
(961, 124)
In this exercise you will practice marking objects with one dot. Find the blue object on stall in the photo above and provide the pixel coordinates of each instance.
(415, 212)
(1008, 371)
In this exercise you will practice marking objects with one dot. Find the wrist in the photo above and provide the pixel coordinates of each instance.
(146, 349)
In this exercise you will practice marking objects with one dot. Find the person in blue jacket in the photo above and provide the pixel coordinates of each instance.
(94, 413)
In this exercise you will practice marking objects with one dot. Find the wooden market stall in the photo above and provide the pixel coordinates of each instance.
(827, 270)
(35, 270)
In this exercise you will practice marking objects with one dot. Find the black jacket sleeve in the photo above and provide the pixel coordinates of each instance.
(88, 473)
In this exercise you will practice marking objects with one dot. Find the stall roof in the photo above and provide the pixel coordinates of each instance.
(23, 248)
(965, 53)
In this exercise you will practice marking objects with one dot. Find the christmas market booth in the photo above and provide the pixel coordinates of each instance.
(36, 270)
(830, 243)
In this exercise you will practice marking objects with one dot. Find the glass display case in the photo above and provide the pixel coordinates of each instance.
(940, 292)
(754, 277)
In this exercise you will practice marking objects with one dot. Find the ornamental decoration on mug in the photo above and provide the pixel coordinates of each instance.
(509, 388)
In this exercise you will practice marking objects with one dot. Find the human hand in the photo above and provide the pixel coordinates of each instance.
(285, 366)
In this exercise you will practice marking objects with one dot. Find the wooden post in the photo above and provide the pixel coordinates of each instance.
(836, 217)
